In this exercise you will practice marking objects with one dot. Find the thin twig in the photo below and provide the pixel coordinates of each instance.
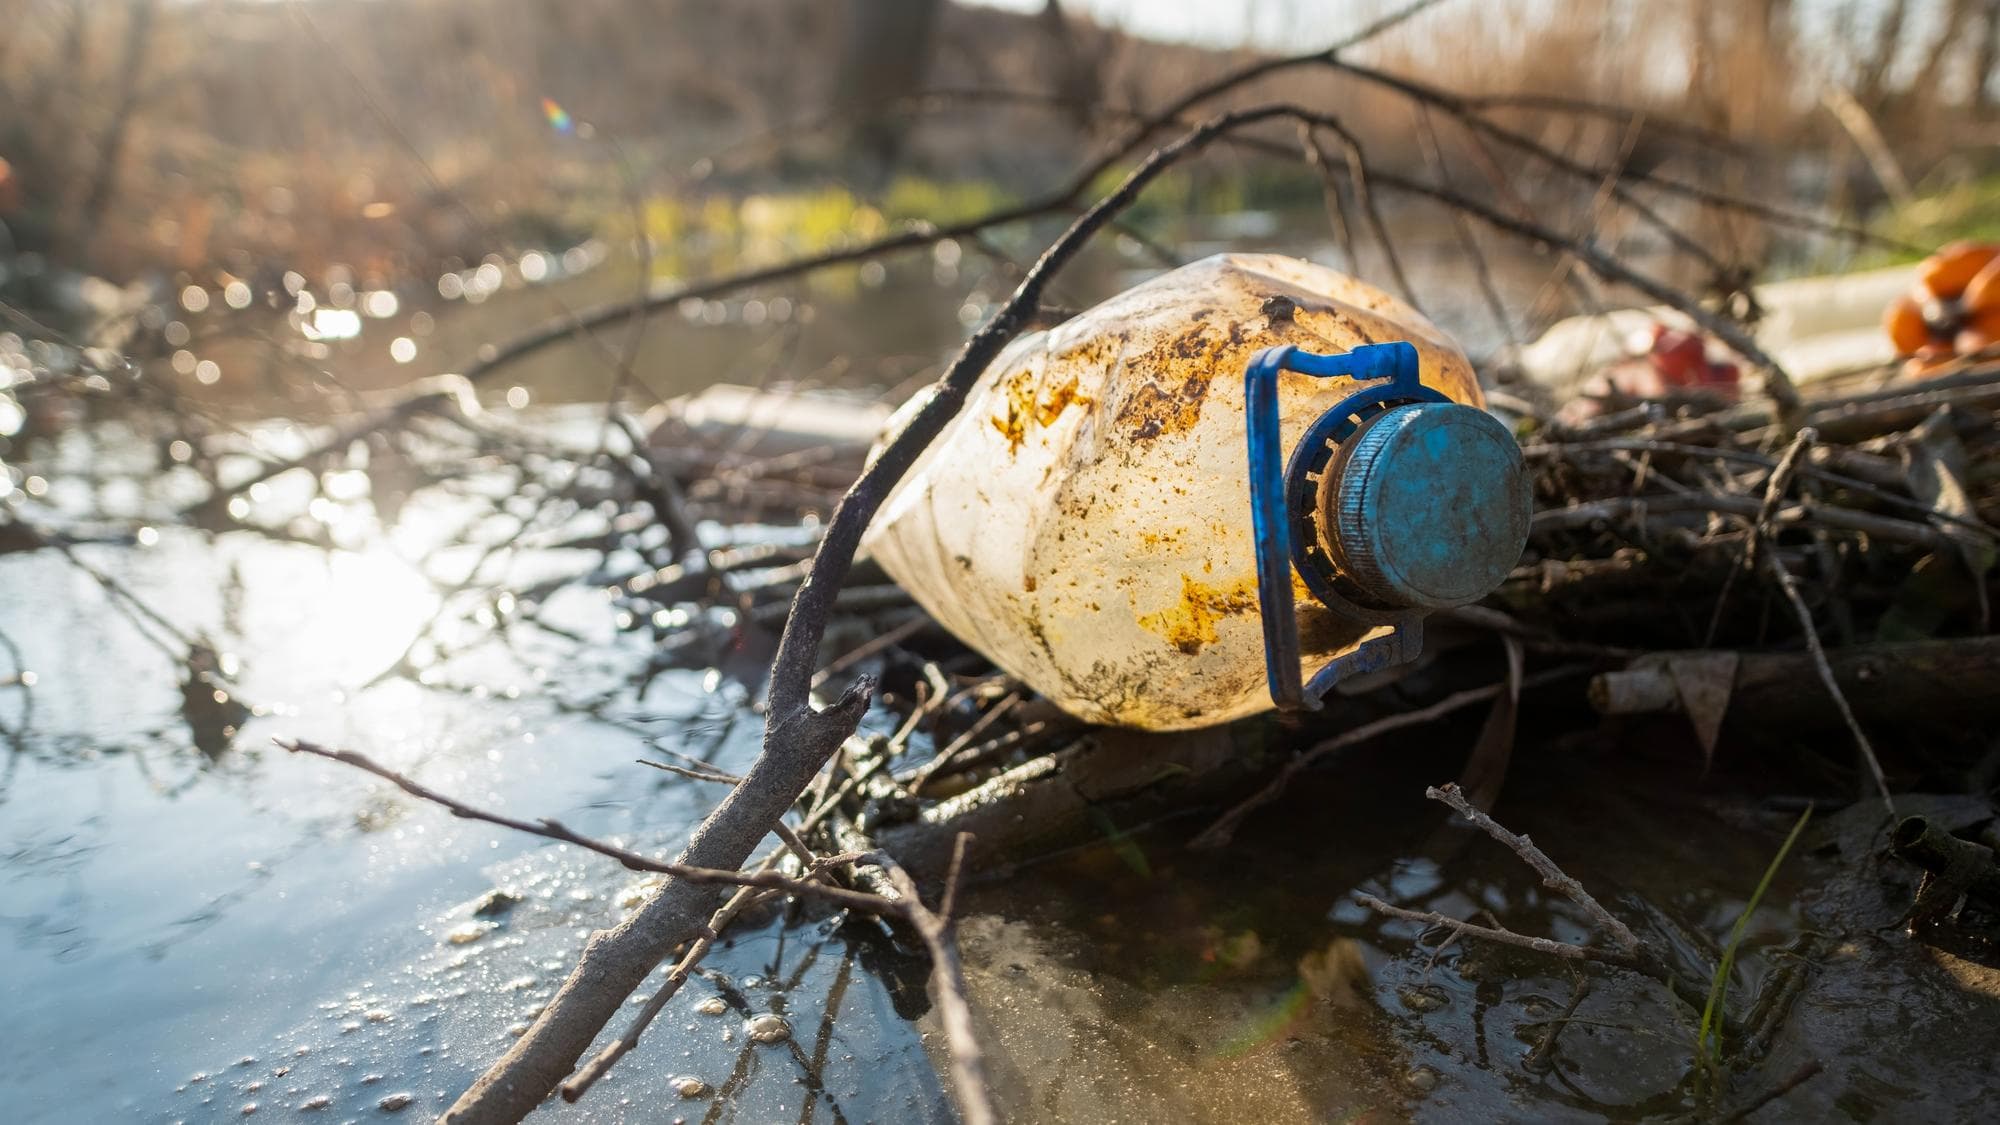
(968, 1060)
(1500, 935)
(1553, 877)
(923, 774)
(1538, 1059)
(1789, 586)
(1219, 833)
(588, 1075)
(1774, 491)
(876, 644)
(691, 775)
(555, 830)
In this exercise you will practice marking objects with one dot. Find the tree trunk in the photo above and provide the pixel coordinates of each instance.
(111, 144)
(1948, 38)
(886, 52)
(1986, 59)
(1872, 84)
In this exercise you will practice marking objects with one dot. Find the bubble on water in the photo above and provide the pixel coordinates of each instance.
(378, 1015)
(248, 1108)
(395, 1102)
(767, 1028)
(688, 1086)
(317, 1101)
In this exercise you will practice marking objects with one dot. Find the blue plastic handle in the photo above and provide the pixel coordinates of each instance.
(1394, 366)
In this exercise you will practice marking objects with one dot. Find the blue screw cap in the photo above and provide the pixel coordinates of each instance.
(1428, 507)
(1396, 502)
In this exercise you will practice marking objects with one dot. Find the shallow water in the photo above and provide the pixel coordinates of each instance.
(194, 922)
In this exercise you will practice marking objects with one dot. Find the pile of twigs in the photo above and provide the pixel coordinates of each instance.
(1650, 516)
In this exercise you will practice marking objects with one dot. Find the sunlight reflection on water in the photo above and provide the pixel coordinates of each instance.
(173, 906)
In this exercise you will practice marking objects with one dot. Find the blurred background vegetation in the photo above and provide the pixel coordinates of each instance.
(344, 147)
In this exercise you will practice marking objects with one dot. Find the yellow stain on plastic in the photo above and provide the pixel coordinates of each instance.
(1190, 623)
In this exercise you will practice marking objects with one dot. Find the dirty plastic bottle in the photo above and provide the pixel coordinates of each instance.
(1087, 520)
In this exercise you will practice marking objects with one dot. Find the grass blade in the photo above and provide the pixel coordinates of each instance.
(1708, 1039)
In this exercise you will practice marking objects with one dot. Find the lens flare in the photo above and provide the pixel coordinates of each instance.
(558, 116)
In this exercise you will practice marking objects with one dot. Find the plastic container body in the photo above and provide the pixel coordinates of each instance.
(1084, 522)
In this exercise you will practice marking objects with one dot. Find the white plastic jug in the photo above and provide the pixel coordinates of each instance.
(1086, 521)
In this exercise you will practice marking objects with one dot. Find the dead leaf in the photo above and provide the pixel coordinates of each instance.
(1486, 770)
(1704, 682)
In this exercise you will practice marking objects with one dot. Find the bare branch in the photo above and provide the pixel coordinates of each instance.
(1491, 933)
(968, 1060)
(1781, 480)
(1553, 877)
(555, 830)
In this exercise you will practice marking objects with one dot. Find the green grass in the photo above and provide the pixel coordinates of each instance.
(1708, 1039)
(1970, 209)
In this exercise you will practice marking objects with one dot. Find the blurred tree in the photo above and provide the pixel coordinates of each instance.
(111, 142)
(1987, 58)
(1872, 86)
(884, 56)
(1077, 70)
